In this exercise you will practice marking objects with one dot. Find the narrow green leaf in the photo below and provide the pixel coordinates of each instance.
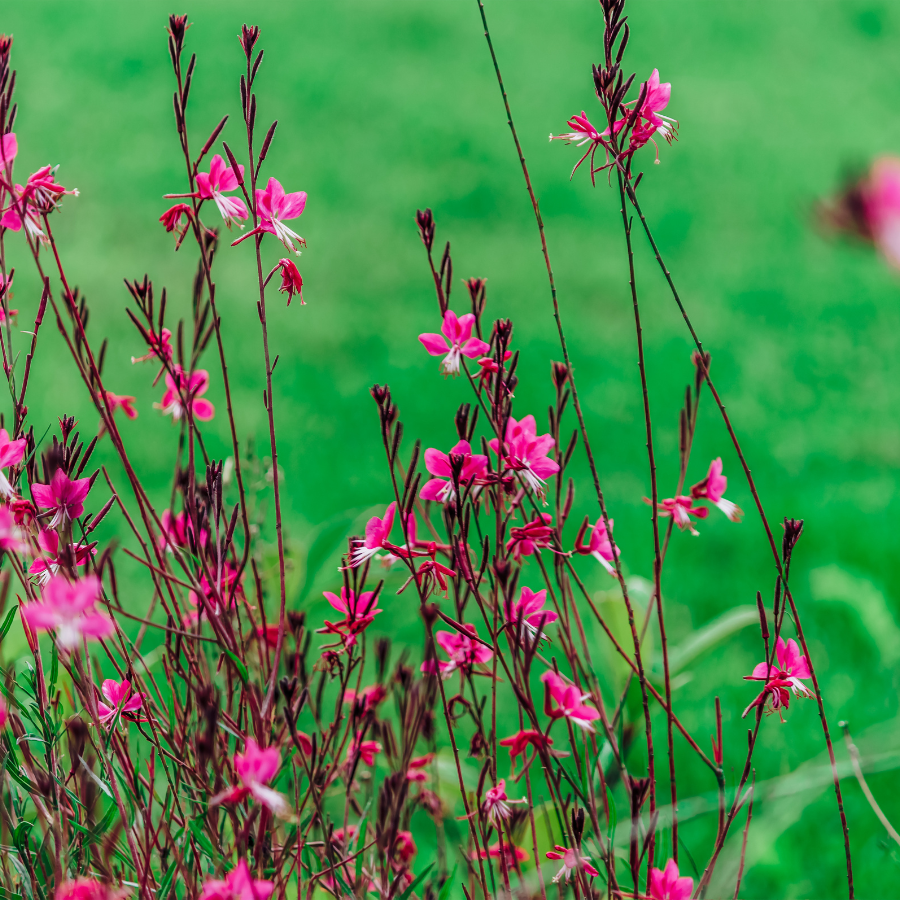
(7, 622)
(412, 887)
(241, 668)
(448, 884)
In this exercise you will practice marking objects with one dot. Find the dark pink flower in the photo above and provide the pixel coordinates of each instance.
(291, 280)
(10, 533)
(9, 148)
(187, 389)
(496, 803)
(225, 589)
(521, 740)
(48, 561)
(88, 889)
(416, 771)
(469, 466)
(792, 666)
(510, 853)
(69, 610)
(177, 218)
(571, 860)
(454, 342)
(359, 612)
(160, 347)
(114, 402)
(530, 538)
(255, 768)
(176, 530)
(569, 701)
(378, 531)
(239, 884)
(122, 701)
(462, 650)
(214, 184)
(274, 207)
(367, 699)
(366, 750)
(525, 452)
(4, 714)
(63, 497)
(529, 608)
(404, 850)
(431, 577)
(599, 546)
(11, 454)
(713, 487)
(665, 884)
(681, 508)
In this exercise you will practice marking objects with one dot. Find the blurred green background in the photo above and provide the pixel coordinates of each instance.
(384, 108)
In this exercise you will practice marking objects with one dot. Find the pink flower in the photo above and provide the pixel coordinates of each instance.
(88, 889)
(599, 546)
(160, 347)
(10, 533)
(713, 487)
(521, 740)
(455, 341)
(172, 220)
(792, 666)
(462, 650)
(529, 608)
(63, 497)
(367, 699)
(496, 803)
(222, 593)
(582, 133)
(526, 452)
(48, 562)
(666, 885)
(11, 454)
(9, 148)
(571, 860)
(416, 770)
(569, 701)
(377, 533)
(431, 577)
(255, 768)
(359, 613)
(22, 211)
(239, 884)
(4, 714)
(510, 853)
(212, 186)
(186, 390)
(291, 280)
(468, 467)
(681, 508)
(120, 696)
(655, 101)
(404, 850)
(366, 750)
(43, 190)
(69, 610)
(530, 538)
(177, 532)
(274, 207)
(114, 402)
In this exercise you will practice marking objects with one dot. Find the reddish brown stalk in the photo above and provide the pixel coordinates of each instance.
(740, 874)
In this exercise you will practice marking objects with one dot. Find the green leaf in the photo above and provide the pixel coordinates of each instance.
(411, 888)
(54, 671)
(613, 816)
(448, 884)
(166, 884)
(7, 622)
(241, 668)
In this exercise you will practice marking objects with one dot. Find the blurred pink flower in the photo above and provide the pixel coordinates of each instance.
(366, 750)
(69, 610)
(88, 889)
(10, 533)
(9, 148)
(160, 347)
(273, 207)
(177, 218)
(177, 530)
(186, 390)
(665, 884)
(47, 563)
(239, 884)
(367, 699)
(713, 487)
(255, 768)
(359, 612)
(416, 770)
(469, 467)
(4, 714)
(530, 609)
(123, 701)
(521, 740)
(454, 341)
(462, 650)
(571, 860)
(63, 497)
(114, 402)
(496, 803)
(11, 454)
(599, 546)
(214, 184)
(569, 701)
(526, 452)
(681, 508)
(291, 280)
(530, 538)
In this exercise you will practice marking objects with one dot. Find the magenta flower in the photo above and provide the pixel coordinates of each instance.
(63, 497)
(681, 508)
(519, 742)
(469, 466)
(431, 577)
(187, 389)
(114, 402)
(255, 768)
(462, 650)
(359, 612)
(713, 487)
(291, 280)
(88, 889)
(10, 533)
(9, 148)
(177, 218)
(792, 666)
(530, 538)
(529, 608)
(273, 207)
(454, 341)
(377, 533)
(69, 609)
(177, 531)
(4, 714)
(122, 700)
(496, 803)
(47, 563)
(160, 348)
(569, 701)
(11, 454)
(239, 884)
(213, 185)
(366, 750)
(582, 133)
(599, 546)
(368, 699)
(571, 860)
(524, 451)
(416, 771)
(665, 884)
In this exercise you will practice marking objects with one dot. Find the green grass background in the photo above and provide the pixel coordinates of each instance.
(386, 107)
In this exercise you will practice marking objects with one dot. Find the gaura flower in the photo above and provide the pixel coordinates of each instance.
(88, 889)
(377, 533)
(160, 347)
(69, 610)
(599, 546)
(255, 768)
(43, 191)
(122, 700)
(274, 207)
(496, 803)
(569, 701)
(10, 533)
(416, 770)
(792, 666)
(114, 402)
(186, 390)
(526, 453)
(665, 884)
(359, 613)
(365, 750)
(713, 487)
(178, 530)
(529, 608)
(9, 148)
(468, 466)
(431, 577)
(454, 341)
(214, 184)
(11, 454)
(681, 508)
(571, 860)
(367, 699)
(509, 853)
(239, 884)
(291, 280)
(462, 650)
(63, 497)
(47, 563)
(177, 218)
(530, 538)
